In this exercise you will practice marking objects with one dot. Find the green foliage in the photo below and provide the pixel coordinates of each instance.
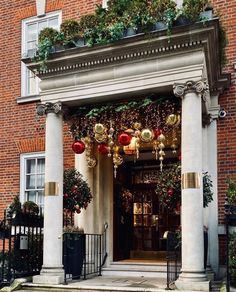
(169, 187)
(48, 33)
(30, 208)
(159, 7)
(232, 258)
(15, 206)
(70, 29)
(76, 192)
(193, 8)
(231, 191)
(207, 189)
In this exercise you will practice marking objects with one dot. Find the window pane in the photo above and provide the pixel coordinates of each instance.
(32, 32)
(31, 196)
(41, 165)
(53, 22)
(40, 181)
(31, 83)
(42, 25)
(31, 45)
(30, 166)
(40, 198)
(30, 182)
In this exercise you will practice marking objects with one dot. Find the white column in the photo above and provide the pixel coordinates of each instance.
(192, 276)
(52, 270)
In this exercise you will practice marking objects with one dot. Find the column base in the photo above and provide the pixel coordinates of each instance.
(52, 276)
(192, 282)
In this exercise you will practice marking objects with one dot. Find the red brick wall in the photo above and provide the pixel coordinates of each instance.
(20, 129)
(227, 100)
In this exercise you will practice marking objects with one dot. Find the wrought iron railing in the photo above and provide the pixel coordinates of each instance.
(173, 258)
(83, 254)
(21, 241)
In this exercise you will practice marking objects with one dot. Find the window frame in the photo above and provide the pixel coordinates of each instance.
(25, 22)
(23, 159)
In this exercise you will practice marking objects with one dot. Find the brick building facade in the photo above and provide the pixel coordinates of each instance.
(22, 131)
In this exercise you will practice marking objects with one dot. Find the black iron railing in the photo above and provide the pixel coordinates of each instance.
(21, 246)
(173, 258)
(83, 254)
(230, 220)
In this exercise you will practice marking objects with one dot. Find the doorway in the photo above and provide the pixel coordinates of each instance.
(140, 220)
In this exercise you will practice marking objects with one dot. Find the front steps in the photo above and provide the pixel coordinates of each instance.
(136, 269)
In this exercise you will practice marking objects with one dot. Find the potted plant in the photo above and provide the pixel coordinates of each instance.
(139, 16)
(159, 11)
(230, 204)
(87, 25)
(70, 29)
(192, 9)
(76, 192)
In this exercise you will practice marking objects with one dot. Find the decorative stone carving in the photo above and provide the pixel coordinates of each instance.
(49, 107)
(200, 87)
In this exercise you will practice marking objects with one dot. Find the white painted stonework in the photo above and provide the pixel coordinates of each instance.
(40, 7)
(132, 67)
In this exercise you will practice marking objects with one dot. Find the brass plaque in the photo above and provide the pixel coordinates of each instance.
(51, 189)
(190, 180)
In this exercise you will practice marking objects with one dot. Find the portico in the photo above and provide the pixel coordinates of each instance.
(186, 65)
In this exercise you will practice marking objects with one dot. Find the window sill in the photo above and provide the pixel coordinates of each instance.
(28, 98)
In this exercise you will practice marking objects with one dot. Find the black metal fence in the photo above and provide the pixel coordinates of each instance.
(21, 246)
(83, 254)
(230, 220)
(173, 258)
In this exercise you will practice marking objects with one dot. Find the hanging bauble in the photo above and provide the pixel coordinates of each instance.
(137, 125)
(100, 138)
(170, 192)
(171, 120)
(146, 135)
(124, 139)
(157, 132)
(91, 162)
(131, 148)
(103, 148)
(78, 147)
(99, 128)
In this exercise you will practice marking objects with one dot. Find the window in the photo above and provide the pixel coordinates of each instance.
(31, 28)
(32, 178)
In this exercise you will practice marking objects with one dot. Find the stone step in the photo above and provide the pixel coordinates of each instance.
(133, 269)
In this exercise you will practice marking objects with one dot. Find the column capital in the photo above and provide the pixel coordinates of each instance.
(200, 87)
(49, 107)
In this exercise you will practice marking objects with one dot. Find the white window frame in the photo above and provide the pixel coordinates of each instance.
(23, 158)
(25, 23)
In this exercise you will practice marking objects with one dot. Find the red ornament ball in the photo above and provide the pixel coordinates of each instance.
(124, 139)
(78, 147)
(170, 192)
(103, 148)
(157, 132)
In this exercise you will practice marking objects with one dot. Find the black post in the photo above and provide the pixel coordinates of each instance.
(227, 254)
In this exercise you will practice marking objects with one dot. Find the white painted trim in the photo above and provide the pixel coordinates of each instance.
(40, 7)
(104, 3)
(24, 23)
(23, 158)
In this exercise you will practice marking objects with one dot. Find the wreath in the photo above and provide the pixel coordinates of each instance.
(169, 187)
(76, 192)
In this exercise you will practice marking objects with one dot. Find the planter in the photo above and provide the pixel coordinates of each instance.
(80, 42)
(182, 20)
(26, 219)
(129, 32)
(159, 26)
(230, 214)
(206, 15)
(73, 254)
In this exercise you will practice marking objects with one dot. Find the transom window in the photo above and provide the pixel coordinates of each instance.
(30, 31)
(32, 178)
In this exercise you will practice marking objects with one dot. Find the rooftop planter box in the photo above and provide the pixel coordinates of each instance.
(110, 25)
